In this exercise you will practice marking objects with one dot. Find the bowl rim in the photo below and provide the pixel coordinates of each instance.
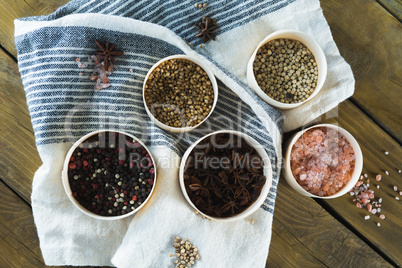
(355, 175)
(267, 172)
(307, 41)
(211, 77)
(66, 184)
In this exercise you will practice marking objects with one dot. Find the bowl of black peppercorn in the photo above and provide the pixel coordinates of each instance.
(109, 174)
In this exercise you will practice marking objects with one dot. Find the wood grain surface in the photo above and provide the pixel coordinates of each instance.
(306, 232)
(370, 40)
(18, 240)
(19, 157)
(11, 10)
(298, 221)
(393, 6)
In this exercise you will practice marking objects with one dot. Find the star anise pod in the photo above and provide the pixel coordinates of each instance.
(208, 176)
(108, 52)
(206, 28)
(229, 206)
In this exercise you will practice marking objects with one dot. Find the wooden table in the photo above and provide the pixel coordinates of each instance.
(306, 232)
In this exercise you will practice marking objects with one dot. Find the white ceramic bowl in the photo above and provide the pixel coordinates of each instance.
(267, 172)
(311, 44)
(211, 78)
(67, 187)
(356, 173)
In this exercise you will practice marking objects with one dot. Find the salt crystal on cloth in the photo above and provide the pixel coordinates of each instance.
(64, 106)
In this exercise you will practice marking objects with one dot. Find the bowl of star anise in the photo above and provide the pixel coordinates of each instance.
(225, 175)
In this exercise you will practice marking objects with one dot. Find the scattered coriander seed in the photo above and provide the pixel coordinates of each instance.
(252, 221)
(286, 70)
(179, 93)
(171, 255)
(185, 253)
(196, 211)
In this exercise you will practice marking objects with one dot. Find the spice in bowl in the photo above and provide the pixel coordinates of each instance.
(179, 93)
(223, 175)
(286, 70)
(111, 174)
(322, 161)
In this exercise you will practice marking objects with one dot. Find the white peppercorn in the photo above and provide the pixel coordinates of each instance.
(286, 70)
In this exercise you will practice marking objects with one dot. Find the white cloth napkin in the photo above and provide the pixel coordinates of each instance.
(64, 106)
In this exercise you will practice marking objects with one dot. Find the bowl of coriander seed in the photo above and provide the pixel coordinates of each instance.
(287, 69)
(180, 93)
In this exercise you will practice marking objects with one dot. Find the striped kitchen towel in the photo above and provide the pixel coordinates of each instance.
(64, 106)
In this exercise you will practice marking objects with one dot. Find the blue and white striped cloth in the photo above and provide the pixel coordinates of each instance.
(64, 106)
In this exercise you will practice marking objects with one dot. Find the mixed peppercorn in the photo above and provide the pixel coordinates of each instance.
(110, 174)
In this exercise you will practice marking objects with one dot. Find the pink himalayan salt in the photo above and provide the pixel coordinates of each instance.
(378, 177)
(322, 161)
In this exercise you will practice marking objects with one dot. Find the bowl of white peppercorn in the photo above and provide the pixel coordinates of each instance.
(180, 92)
(287, 69)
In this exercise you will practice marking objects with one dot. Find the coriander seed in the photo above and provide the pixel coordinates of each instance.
(179, 93)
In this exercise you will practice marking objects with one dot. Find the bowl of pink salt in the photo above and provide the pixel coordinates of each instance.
(323, 161)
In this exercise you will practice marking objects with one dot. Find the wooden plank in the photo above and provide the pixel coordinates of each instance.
(369, 38)
(305, 235)
(11, 10)
(393, 6)
(18, 240)
(373, 142)
(19, 158)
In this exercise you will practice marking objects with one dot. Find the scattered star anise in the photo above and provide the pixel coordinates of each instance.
(108, 52)
(206, 28)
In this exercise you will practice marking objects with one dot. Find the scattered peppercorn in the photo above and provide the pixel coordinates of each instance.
(179, 93)
(286, 70)
(107, 185)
